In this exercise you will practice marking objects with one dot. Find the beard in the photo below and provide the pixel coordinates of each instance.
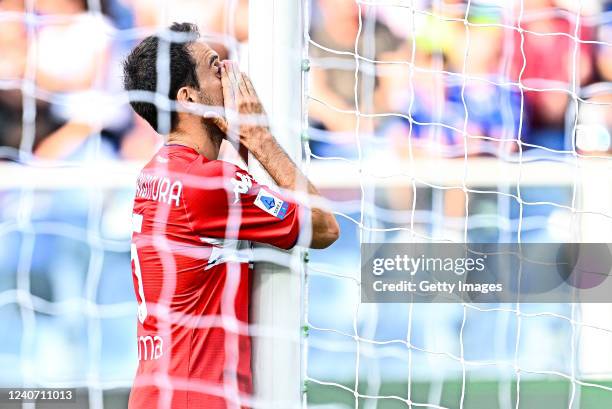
(208, 125)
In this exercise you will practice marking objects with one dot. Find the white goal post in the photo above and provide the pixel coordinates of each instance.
(275, 44)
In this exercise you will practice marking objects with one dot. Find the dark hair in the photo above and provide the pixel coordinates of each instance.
(140, 72)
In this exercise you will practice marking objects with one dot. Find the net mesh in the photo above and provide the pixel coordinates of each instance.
(440, 362)
(430, 186)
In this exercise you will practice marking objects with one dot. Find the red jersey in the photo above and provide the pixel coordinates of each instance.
(192, 223)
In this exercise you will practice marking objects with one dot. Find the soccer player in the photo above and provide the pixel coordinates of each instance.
(194, 217)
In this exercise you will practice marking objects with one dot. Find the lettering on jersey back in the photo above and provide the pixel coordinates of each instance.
(159, 189)
(150, 347)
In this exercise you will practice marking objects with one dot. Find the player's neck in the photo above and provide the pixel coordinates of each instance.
(203, 139)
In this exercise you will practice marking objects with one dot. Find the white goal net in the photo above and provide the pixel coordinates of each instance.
(440, 115)
(419, 120)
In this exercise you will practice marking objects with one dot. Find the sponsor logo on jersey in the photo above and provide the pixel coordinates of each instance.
(242, 184)
(271, 204)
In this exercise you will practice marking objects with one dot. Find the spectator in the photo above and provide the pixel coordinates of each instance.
(12, 41)
(13, 48)
(72, 71)
(210, 16)
(441, 100)
(594, 130)
(493, 110)
(73, 62)
(604, 52)
(337, 29)
(548, 63)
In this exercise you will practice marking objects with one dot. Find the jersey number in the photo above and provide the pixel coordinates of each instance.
(142, 306)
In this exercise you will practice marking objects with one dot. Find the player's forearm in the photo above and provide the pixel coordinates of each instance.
(287, 175)
(279, 165)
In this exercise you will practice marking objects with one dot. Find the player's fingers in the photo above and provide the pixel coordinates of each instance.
(243, 86)
(249, 85)
(234, 75)
(250, 91)
(259, 108)
(229, 96)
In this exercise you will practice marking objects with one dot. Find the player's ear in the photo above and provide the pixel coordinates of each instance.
(184, 95)
(187, 99)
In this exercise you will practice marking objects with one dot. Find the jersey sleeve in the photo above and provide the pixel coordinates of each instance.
(223, 201)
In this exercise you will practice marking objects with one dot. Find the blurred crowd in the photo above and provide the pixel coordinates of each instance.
(60, 71)
(449, 77)
(443, 79)
(453, 78)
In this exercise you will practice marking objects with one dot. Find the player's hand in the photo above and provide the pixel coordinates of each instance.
(245, 120)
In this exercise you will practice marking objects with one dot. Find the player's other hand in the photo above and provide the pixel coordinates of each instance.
(245, 121)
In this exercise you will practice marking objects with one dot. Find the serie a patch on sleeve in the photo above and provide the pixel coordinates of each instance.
(271, 204)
